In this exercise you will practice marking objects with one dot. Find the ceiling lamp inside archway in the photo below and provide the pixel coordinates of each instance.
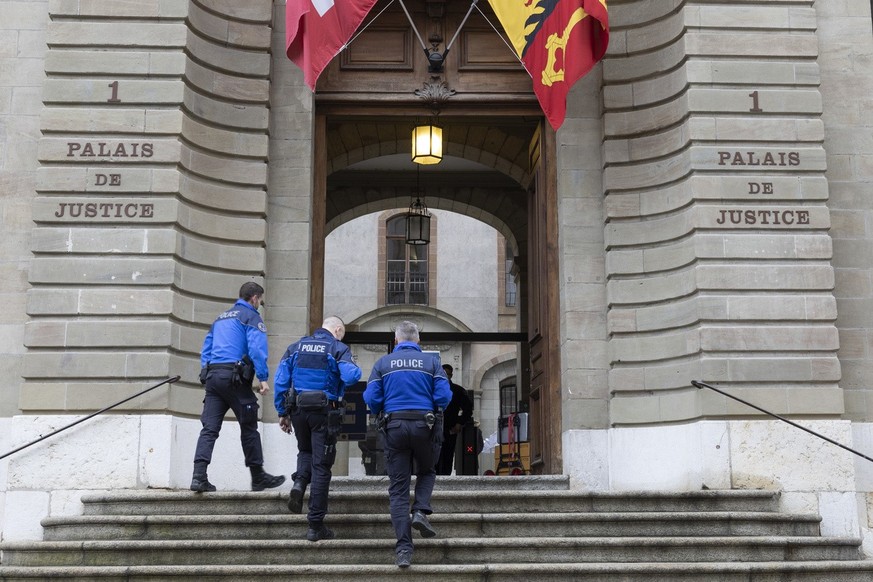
(427, 144)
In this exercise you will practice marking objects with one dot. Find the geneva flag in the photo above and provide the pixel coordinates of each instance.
(316, 30)
(558, 41)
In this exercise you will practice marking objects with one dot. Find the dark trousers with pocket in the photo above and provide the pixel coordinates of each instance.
(313, 462)
(408, 441)
(222, 394)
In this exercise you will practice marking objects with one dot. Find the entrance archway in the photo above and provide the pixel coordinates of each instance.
(365, 108)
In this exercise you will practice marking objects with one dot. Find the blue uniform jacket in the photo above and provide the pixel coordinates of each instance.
(235, 333)
(316, 362)
(407, 379)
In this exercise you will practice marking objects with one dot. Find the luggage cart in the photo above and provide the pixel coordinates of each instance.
(509, 461)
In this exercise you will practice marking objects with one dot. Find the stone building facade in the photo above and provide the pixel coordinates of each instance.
(711, 214)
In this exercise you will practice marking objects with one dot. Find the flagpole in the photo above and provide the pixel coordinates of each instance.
(415, 30)
(460, 26)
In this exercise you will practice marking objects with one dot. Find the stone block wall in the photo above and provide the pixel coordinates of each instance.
(22, 52)
(718, 253)
(584, 360)
(289, 206)
(846, 59)
(151, 194)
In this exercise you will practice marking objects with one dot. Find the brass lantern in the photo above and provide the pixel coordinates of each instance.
(427, 144)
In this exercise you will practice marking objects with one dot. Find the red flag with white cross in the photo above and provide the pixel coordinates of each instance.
(316, 31)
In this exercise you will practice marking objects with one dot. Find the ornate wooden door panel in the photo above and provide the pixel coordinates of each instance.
(543, 321)
(386, 59)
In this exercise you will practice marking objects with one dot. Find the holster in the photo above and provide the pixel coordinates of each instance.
(334, 423)
(290, 401)
(244, 372)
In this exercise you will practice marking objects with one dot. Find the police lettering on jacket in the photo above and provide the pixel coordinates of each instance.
(316, 362)
(235, 333)
(404, 363)
(407, 379)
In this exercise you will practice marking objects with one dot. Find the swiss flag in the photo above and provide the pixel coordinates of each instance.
(316, 30)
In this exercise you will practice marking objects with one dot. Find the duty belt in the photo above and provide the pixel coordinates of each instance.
(408, 414)
(220, 366)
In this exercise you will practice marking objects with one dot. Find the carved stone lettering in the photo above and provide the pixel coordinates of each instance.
(105, 210)
(760, 187)
(738, 158)
(762, 217)
(102, 149)
(107, 179)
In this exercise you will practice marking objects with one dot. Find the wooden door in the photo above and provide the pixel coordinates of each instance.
(543, 321)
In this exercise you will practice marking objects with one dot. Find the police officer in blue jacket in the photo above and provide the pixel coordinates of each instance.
(235, 342)
(310, 384)
(409, 387)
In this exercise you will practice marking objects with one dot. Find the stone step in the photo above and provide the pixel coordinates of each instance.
(444, 501)
(826, 571)
(456, 483)
(352, 526)
(430, 551)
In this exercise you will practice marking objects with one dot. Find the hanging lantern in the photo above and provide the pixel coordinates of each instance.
(427, 144)
(418, 224)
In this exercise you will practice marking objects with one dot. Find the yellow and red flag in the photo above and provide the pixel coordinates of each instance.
(558, 41)
(316, 30)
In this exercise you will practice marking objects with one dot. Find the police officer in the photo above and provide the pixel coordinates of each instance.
(234, 350)
(408, 386)
(315, 372)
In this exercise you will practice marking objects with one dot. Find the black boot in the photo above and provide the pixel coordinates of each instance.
(318, 532)
(262, 480)
(200, 482)
(295, 501)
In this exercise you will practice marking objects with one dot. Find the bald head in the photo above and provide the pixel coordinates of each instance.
(335, 326)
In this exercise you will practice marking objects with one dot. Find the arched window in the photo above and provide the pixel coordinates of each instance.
(406, 267)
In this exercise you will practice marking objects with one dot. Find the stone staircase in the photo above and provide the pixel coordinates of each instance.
(490, 528)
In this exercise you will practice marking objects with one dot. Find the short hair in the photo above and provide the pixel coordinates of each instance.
(249, 290)
(448, 367)
(406, 331)
(332, 321)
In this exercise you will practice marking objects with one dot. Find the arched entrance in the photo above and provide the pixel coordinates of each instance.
(365, 108)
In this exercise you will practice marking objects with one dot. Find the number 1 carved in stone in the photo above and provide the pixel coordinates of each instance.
(114, 97)
(753, 95)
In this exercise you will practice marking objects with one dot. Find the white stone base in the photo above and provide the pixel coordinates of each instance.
(811, 474)
(115, 452)
(156, 451)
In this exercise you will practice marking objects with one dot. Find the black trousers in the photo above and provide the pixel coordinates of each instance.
(223, 395)
(447, 454)
(407, 441)
(313, 462)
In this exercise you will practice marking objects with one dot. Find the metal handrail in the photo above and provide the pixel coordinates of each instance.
(701, 385)
(93, 414)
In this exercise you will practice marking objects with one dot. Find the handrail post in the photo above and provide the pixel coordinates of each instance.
(93, 414)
